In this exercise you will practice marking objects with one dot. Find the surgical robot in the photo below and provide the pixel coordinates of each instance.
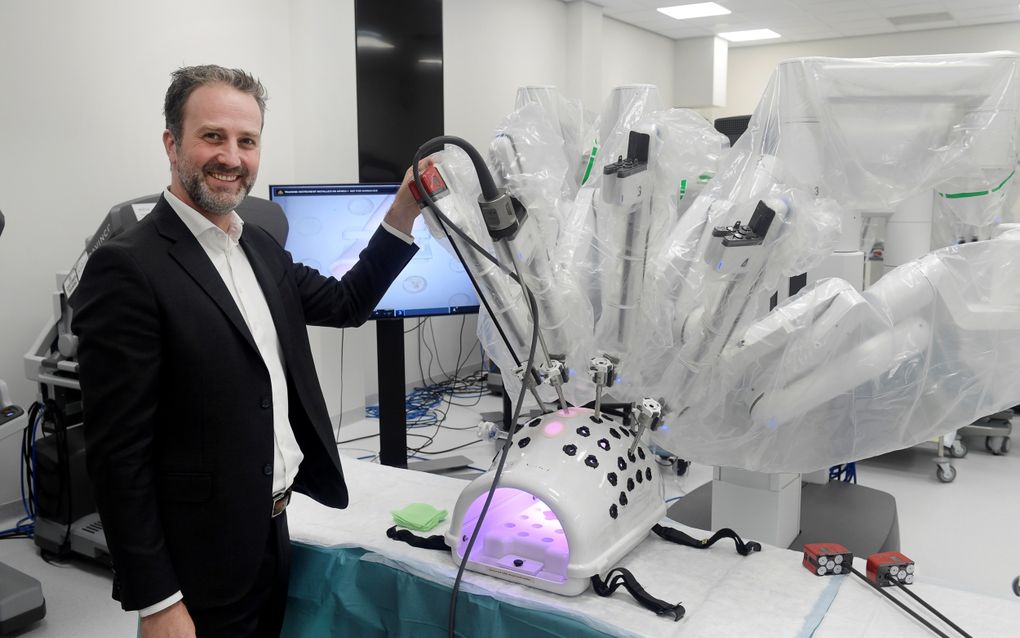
(21, 597)
(663, 301)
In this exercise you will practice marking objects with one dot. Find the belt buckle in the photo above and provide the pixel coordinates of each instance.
(280, 503)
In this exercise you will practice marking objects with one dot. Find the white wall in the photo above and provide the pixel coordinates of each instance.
(632, 55)
(491, 47)
(749, 68)
(81, 120)
(80, 127)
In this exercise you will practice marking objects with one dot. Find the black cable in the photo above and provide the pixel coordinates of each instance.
(899, 604)
(490, 192)
(416, 326)
(432, 356)
(460, 346)
(499, 468)
(930, 608)
(421, 371)
(456, 372)
(53, 411)
(370, 436)
(439, 360)
(452, 449)
(446, 224)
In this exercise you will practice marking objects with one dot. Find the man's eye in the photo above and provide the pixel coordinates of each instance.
(212, 136)
(248, 142)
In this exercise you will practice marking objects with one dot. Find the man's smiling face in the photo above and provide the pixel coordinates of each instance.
(216, 161)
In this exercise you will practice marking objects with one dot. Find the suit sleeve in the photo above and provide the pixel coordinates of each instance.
(117, 323)
(350, 302)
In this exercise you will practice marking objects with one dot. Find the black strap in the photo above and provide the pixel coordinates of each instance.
(680, 538)
(406, 536)
(620, 576)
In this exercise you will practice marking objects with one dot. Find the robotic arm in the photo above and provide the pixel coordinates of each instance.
(677, 290)
(834, 374)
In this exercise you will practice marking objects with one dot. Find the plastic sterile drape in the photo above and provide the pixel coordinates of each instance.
(667, 266)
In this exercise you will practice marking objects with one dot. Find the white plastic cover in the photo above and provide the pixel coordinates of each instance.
(678, 290)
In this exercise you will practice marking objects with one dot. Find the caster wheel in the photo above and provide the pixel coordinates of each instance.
(1004, 448)
(681, 467)
(994, 444)
(957, 450)
(947, 474)
(1016, 585)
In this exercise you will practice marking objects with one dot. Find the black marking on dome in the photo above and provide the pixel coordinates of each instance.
(626, 431)
(612, 478)
(534, 422)
(630, 485)
(640, 477)
(591, 461)
(584, 431)
(648, 473)
(570, 449)
(631, 456)
(616, 435)
(613, 512)
(641, 453)
(523, 443)
(620, 463)
(595, 419)
(623, 498)
(604, 444)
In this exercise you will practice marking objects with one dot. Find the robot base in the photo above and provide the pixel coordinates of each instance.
(577, 493)
(21, 600)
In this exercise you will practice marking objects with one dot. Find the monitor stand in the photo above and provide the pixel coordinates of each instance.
(389, 340)
(389, 336)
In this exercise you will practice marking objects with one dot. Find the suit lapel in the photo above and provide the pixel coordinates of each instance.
(187, 252)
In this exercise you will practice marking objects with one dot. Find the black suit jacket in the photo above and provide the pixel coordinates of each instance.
(178, 403)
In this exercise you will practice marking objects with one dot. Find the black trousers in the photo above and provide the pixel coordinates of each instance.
(259, 613)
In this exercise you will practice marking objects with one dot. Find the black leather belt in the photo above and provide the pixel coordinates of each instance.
(280, 503)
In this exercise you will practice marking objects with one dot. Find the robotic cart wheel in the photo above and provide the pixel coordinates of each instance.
(945, 473)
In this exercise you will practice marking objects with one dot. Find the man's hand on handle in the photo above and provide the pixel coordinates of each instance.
(404, 209)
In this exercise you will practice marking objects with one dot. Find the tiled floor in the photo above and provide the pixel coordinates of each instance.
(961, 534)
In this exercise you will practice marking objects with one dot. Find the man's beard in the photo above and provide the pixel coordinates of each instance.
(208, 200)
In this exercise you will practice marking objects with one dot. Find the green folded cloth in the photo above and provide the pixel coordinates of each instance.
(419, 516)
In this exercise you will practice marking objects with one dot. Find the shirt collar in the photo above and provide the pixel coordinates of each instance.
(199, 225)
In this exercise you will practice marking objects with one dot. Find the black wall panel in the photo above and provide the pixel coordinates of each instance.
(400, 83)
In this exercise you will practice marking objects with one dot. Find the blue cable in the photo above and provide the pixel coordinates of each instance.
(26, 525)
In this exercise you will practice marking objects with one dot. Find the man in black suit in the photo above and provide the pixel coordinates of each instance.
(202, 406)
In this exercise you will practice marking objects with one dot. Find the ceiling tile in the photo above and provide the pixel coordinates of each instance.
(995, 12)
(912, 7)
(809, 19)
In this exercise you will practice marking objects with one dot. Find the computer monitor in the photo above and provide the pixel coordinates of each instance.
(330, 224)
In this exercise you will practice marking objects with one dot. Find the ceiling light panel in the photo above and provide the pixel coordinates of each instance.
(749, 35)
(698, 10)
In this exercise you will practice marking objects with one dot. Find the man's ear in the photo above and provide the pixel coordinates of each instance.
(171, 147)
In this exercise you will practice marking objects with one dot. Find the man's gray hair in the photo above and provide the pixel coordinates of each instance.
(186, 79)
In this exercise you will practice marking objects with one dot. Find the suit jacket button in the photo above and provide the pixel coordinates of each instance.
(266, 403)
(267, 469)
